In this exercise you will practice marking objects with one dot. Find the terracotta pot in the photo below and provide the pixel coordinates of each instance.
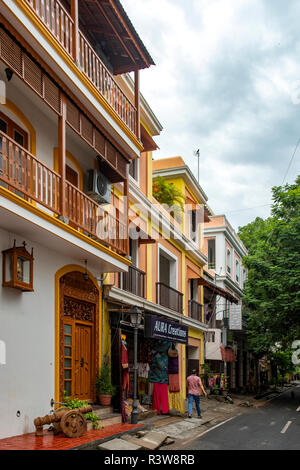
(104, 400)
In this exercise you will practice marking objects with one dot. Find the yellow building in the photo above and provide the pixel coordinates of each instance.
(167, 265)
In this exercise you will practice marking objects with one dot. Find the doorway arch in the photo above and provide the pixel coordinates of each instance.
(77, 327)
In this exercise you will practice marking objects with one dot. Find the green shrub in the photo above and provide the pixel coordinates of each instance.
(103, 382)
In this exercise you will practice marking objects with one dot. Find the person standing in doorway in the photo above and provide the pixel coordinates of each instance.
(194, 386)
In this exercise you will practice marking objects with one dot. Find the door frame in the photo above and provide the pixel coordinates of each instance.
(92, 295)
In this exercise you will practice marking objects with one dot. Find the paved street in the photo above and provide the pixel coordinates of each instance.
(272, 427)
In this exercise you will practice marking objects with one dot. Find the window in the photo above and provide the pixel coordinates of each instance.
(228, 261)
(167, 268)
(133, 251)
(194, 289)
(3, 126)
(211, 337)
(237, 270)
(244, 277)
(211, 253)
(134, 169)
(193, 225)
(10, 128)
(68, 359)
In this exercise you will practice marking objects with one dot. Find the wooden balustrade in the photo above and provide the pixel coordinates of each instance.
(61, 25)
(98, 74)
(22, 173)
(84, 213)
(133, 281)
(195, 310)
(57, 20)
(169, 297)
(27, 176)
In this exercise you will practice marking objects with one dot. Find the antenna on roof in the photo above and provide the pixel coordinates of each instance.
(197, 153)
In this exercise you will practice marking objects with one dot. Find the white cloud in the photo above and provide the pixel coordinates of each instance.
(224, 83)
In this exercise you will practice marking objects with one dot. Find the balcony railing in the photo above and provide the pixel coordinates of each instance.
(31, 179)
(61, 25)
(195, 310)
(57, 20)
(169, 297)
(133, 281)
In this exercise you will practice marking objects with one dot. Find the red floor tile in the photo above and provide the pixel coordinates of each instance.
(60, 442)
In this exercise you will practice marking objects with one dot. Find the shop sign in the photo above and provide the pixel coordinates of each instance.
(159, 328)
(235, 317)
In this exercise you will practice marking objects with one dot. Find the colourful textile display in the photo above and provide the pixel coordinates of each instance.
(176, 401)
(142, 386)
(160, 400)
(174, 383)
(173, 366)
(145, 352)
(159, 366)
(125, 383)
(143, 369)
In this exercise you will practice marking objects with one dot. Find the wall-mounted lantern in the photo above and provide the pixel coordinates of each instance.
(18, 268)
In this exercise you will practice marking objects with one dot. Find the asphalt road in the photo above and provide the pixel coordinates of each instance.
(275, 426)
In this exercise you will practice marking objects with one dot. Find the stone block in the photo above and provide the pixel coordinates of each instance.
(119, 444)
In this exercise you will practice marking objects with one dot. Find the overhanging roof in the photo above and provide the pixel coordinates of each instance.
(109, 29)
(218, 290)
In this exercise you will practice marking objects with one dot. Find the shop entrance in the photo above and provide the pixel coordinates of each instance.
(192, 353)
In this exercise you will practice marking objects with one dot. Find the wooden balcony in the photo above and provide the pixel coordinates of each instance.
(133, 281)
(169, 297)
(195, 310)
(28, 177)
(64, 26)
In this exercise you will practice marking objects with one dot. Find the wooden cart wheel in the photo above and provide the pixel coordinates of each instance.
(73, 424)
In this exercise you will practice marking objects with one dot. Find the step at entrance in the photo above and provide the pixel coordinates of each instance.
(102, 411)
(106, 416)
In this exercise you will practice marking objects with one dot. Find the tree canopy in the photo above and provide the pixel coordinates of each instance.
(272, 291)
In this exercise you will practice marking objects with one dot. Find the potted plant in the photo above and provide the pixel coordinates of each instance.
(105, 389)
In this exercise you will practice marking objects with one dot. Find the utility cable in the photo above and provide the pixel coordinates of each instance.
(289, 165)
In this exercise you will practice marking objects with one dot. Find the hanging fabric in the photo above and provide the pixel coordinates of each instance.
(173, 365)
(160, 401)
(159, 365)
(174, 383)
(125, 382)
(172, 351)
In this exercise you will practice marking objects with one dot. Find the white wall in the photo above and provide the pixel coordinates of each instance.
(220, 250)
(212, 348)
(27, 326)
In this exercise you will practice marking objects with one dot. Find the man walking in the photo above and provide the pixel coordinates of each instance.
(194, 386)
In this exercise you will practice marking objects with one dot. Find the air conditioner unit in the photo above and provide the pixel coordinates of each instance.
(98, 187)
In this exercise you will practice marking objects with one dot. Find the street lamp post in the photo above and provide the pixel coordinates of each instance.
(135, 320)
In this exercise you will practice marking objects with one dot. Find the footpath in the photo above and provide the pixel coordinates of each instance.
(164, 432)
(170, 432)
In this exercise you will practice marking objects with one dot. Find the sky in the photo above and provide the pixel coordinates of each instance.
(226, 82)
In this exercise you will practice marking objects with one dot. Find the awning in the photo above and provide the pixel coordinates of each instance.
(228, 354)
(147, 141)
(109, 29)
(218, 290)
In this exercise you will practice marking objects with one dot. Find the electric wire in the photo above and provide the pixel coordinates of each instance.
(292, 158)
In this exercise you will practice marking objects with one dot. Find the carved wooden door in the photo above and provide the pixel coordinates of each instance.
(79, 337)
(83, 362)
